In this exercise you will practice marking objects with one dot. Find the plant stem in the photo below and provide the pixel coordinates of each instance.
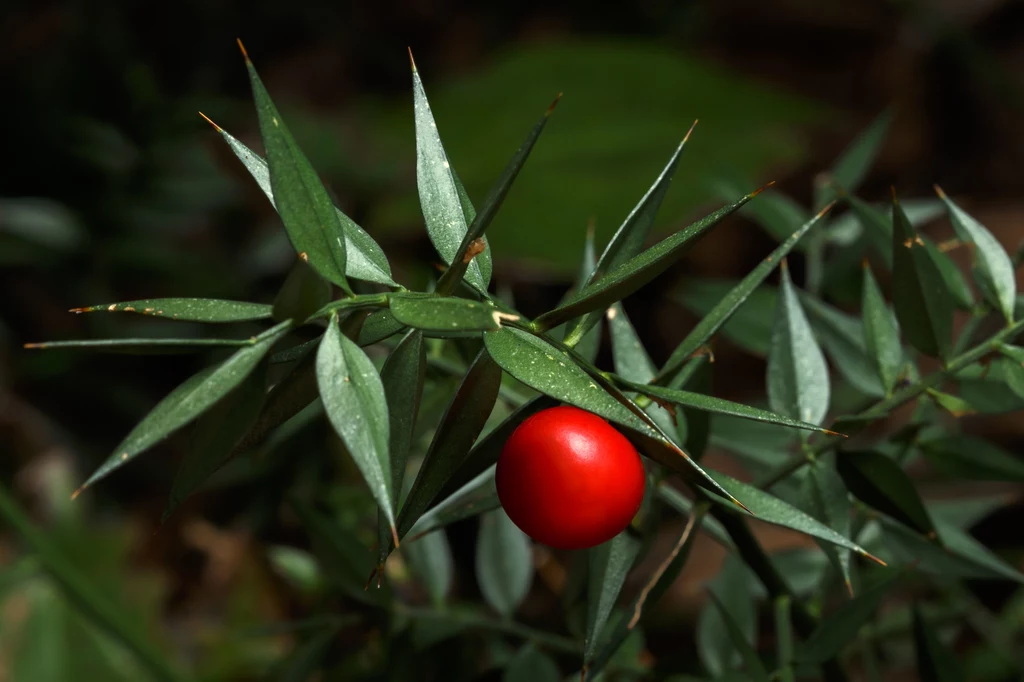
(904, 395)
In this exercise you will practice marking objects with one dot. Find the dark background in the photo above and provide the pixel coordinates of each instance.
(112, 188)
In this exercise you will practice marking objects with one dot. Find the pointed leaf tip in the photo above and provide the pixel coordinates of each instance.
(554, 104)
(758, 191)
(242, 48)
(828, 207)
(938, 191)
(412, 62)
(207, 119)
(690, 131)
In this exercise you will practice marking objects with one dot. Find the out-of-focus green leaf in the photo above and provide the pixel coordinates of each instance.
(482, 220)
(990, 390)
(750, 325)
(829, 502)
(841, 626)
(216, 435)
(855, 161)
(305, 208)
(626, 278)
(346, 561)
(784, 638)
(1013, 367)
(798, 384)
(297, 567)
(354, 400)
(443, 313)
(308, 656)
(187, 309)
(477, 496)
(440, 198)
(463, 421)
(935, 663)
(777, 213)
(431, 559)
(628, 240)
(752, 664)
(364, 258)
(961, 557)
(715, 645)
(772, 510)
(881, 334)
(878, 481)
(303, 293)
(713, 320)
(992, 264)
(532, 665)
(189, 400)
(608, 564)
(504, 562)
(955, 405)
(968, 458)
(633, 364)
(923, 307)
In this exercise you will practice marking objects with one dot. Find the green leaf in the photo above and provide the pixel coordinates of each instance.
(216, 435)
(992, 264)
(364, 258)
(628, 240)
(707, 403)
(504, 563)
(93, 604)
(189, 400)
(784, 638)
(621, 281)
(608, 564)
(463, 421)
(547, 369)
(751, 662)
(306, 210)
(482, 220)
(964, 457)
(881, 334)
(532, 665)
(380, 325)
(308, 657)
(922, 305)
(143, 346)
(632, 362)
(961, 556)
(402, 377)
(430, 557)
(991, 389)
(715, 644)
(798, 384)
(187, 309)
(853, 164)
(935, 663)
(440, 198)
(750, 325)
(829, 502)
(879, 482)
(444, 314)
(477, 496)
(777, 213)
(842, 337)
(952, 278)
(841, 626)
(717, 316)
(303, 293)
(354, 400)
(771, 509)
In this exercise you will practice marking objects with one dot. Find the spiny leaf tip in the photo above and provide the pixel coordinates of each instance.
(939, 192)
(412, 62)
(554, 104)
(241, 47)
(207, 119)
(690, 131)
(828, 207)
(758, 191)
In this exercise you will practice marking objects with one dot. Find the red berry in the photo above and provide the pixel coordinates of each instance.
(568, 479)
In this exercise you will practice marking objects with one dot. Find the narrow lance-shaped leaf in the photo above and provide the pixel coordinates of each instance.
(588, 346)
(935, 663)
(462, 423)
(364, 259)
(715, 645)
(855, 161)
(189, 400)
(829, 502)
(632, 363)
(608, 564)
(354, 400)
(547, 369)
(216, 435)
(504, 564)
(625, 279)
(878, 481)
(142, 346)
(532, 665)
(922, 305)
(402, 378)
(629, 239)
(477, 496)
(305, 208)
(772, 510)
(881, 334)
(469, 247)
(431, 559)
(842, 625)
(445, 313)
(187, 309)
(447, 223)
(784, 638)
(711, 322)
(303, 293)
(773, 211)
(752, 664)
(842, 338)
(992, 264)
(798, 383)
(974, 459)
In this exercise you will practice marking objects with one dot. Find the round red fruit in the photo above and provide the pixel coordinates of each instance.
(568, 479)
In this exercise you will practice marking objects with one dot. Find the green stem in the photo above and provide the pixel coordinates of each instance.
(93, 604)
(904, 395)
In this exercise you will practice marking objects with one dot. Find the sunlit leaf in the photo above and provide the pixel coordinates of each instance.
(798, 383)
(607, 564)
(878, 481)
(354, 400)
(881, 334)
(187, 309)
(504, 563)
